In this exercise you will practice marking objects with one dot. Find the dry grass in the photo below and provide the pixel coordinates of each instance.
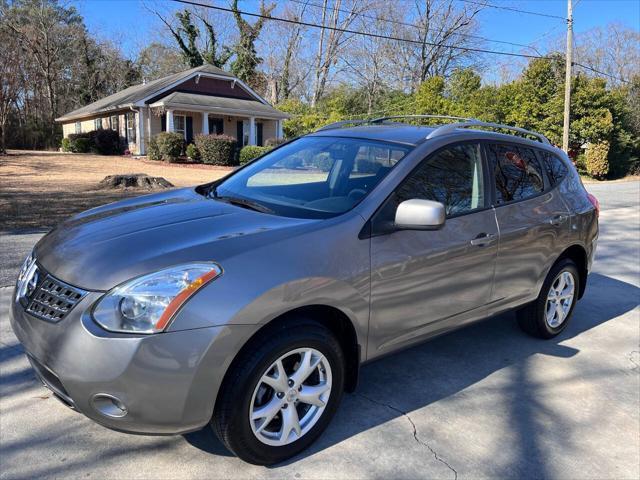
(39, 189)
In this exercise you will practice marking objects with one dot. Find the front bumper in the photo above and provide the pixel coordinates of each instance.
(168, 381)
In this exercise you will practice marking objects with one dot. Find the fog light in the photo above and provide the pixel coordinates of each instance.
(108, 405)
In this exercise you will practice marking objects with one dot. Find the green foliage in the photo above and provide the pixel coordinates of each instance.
(274, 142)
(153, 151)
(192, 152)
(250, 152)
(79, 143)
(217, 149)
(65, 145)
(105, 142)
(170, 145)
(596, 159)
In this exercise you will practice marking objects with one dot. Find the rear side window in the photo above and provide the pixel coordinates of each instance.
(517, 173)
(453, 176)
(555, 168)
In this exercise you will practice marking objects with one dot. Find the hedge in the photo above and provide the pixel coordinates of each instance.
(217, 149)
(192, 152)
(153, 152)
(104, 142)
(250, 152)
(170, 145)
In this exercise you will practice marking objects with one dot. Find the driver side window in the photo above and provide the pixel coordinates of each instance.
(452, 176)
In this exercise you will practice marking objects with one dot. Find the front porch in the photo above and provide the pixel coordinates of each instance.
(248, 121)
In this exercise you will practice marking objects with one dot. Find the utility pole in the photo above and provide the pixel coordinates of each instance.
(567, 79)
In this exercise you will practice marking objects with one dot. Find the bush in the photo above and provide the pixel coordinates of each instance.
(192, 152)
(105, 142)
(217, 149)
(274, 142)
(170, 145)
(65, 145)
(250, 152)
(596, 159)
(79, 143)
(153, 152)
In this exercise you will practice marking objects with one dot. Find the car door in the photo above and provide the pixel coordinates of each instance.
(533, 220)
(425, 282)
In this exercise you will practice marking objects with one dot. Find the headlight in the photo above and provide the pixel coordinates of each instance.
(147, 304)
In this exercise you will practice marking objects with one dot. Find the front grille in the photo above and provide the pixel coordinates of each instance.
(52, 299)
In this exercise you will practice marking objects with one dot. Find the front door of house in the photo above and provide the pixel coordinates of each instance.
(240, 133)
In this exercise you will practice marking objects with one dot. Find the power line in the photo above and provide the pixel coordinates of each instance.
(599, 72)
(409, 24)
(512, 9)
(356, 32)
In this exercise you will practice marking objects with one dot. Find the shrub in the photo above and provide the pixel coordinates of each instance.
(274, 142)
(79, 143)
(153, 152)
(170, 145)
(596, 159)
(105, 142)
(65, 145)
(217, 149)
(192, 152)
(250, 152)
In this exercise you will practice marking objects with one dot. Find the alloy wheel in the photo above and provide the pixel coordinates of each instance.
(290, 397)
(560, 299)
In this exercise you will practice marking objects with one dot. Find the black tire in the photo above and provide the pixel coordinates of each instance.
(230, 420)
(532, 318)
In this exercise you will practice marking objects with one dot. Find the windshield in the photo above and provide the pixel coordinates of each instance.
(312, 177)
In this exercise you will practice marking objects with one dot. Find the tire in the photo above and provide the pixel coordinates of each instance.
(244, 392)
(534, 318)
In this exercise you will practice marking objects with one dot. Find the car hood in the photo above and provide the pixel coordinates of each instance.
(103, 247)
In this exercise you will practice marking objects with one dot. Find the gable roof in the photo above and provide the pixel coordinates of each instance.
(138, 93)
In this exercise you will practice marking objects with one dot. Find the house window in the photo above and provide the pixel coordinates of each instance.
(179, 125)
(97, 124)
(113, 122)
(78, 127)
(131, 127)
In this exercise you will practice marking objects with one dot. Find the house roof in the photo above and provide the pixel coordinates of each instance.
(138, 93)
(223, 105)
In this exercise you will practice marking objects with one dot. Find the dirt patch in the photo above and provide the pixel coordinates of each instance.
(40, 189)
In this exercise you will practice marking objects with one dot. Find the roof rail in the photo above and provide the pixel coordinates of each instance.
(393, 117)
(445, 129)
(341, 124)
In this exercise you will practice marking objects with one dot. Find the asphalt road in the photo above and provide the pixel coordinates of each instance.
(486, 401)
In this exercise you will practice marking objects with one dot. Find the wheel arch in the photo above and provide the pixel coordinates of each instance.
(330, 317)
(578, 255)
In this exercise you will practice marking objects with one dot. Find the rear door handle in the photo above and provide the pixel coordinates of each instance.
(484, 239)
(558, 219)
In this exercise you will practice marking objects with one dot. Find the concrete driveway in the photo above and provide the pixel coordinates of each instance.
(486, 401)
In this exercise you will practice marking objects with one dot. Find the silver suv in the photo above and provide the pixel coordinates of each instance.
(250, 303)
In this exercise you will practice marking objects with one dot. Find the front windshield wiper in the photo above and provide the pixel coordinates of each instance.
(243, 202)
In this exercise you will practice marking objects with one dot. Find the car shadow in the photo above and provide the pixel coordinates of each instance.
(420, 376)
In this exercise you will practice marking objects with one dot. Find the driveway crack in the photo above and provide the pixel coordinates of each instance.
(415, 432)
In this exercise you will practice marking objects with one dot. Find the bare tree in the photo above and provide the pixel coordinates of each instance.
(10, 81)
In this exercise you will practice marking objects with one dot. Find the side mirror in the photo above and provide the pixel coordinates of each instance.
(418, 214)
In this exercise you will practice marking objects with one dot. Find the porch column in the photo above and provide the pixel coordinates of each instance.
(252, 130)
(141, 123)
(169, 120)
(279, 133)
(205, 123)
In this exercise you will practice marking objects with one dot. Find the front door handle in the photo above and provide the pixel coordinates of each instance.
(484, 239)
(558, 219)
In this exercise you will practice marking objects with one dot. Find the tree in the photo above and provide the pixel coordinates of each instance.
(247, 60)
(9, 80)
(157, 61)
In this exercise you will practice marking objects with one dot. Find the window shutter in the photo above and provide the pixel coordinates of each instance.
(163, 122)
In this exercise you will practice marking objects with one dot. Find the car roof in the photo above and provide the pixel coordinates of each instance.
(414, 135)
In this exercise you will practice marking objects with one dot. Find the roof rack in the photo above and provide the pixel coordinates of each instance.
(393, 117)
(449, 128)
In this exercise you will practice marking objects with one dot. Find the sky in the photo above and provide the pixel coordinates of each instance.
(132, 26)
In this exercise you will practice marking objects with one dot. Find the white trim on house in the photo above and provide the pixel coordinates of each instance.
(216, 110)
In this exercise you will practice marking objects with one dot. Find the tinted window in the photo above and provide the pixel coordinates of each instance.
(516, 171)
(452, 176)
(556, 169)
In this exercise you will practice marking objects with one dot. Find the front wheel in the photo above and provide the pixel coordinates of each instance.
(281, 395)
(549, 315)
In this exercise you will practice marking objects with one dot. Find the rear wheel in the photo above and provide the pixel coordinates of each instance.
(281, 395)
(549, 315)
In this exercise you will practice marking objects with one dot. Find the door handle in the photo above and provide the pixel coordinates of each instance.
(558, 219)
(483, 239)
